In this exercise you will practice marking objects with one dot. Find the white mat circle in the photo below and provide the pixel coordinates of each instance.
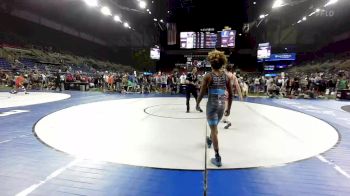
(8, 100)
(120, 131)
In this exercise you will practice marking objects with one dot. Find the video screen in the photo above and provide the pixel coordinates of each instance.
(191, 40)
(210, 40)
(187, 40)
(155, 53)
(224, 39)
(264, 51)
(199, 40)
(228, 39)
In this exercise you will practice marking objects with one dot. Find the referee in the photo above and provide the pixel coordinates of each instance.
(191, 88)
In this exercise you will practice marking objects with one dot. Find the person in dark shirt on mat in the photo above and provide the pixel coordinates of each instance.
(191, 88)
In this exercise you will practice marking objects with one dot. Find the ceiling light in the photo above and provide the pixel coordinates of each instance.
(142, 4)
(278, 3)
(126, 25)
(106, 11)
(117, 18)
(330, 2)
(91, 3)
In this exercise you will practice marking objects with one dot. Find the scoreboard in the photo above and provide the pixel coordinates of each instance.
(194, 40)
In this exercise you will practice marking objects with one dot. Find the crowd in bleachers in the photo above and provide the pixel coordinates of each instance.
(106, 81)
(41, 67)
(310, 80)
(292, 85)
(306, 85)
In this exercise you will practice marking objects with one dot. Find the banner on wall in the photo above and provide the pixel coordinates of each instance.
(280, 57)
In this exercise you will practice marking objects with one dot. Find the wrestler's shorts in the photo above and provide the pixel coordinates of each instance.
(215, 111)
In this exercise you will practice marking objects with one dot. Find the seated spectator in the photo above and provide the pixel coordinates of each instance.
(69, 77)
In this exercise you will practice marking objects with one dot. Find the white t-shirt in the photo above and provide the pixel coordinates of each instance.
(43, 77)
(256, 81)
(183, 79)
(105, 78)
(269, 83)
(163, 80)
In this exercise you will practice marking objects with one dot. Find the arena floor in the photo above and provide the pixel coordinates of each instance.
(86, 143)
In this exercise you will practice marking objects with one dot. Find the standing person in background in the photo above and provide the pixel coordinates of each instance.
(164, 83)
(44, 82)
(118, 82)
(58, 81)
(62, 80)
(295, 86)
(19, 84)
(95, 79)
(216, 83)
(3, 78)
(169, 83)
(256, 84)
(105, 81)
(111, 82)
(244, 86)
(191, 88)
(237, 88)
(125, 83)
(331, 85)
(262, 84)
(175, 83)
(183, 78)
(182, 83)
(158, 82)
(342, 83)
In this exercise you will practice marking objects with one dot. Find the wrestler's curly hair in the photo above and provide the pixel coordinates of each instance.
(217, 59)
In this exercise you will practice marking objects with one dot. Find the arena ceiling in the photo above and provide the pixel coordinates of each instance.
(76, 14)
(188, 14)
(196, 14)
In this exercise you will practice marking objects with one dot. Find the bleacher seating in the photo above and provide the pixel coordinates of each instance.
(41, 67)
(30, 58)
(4, 64)
(29, 63)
